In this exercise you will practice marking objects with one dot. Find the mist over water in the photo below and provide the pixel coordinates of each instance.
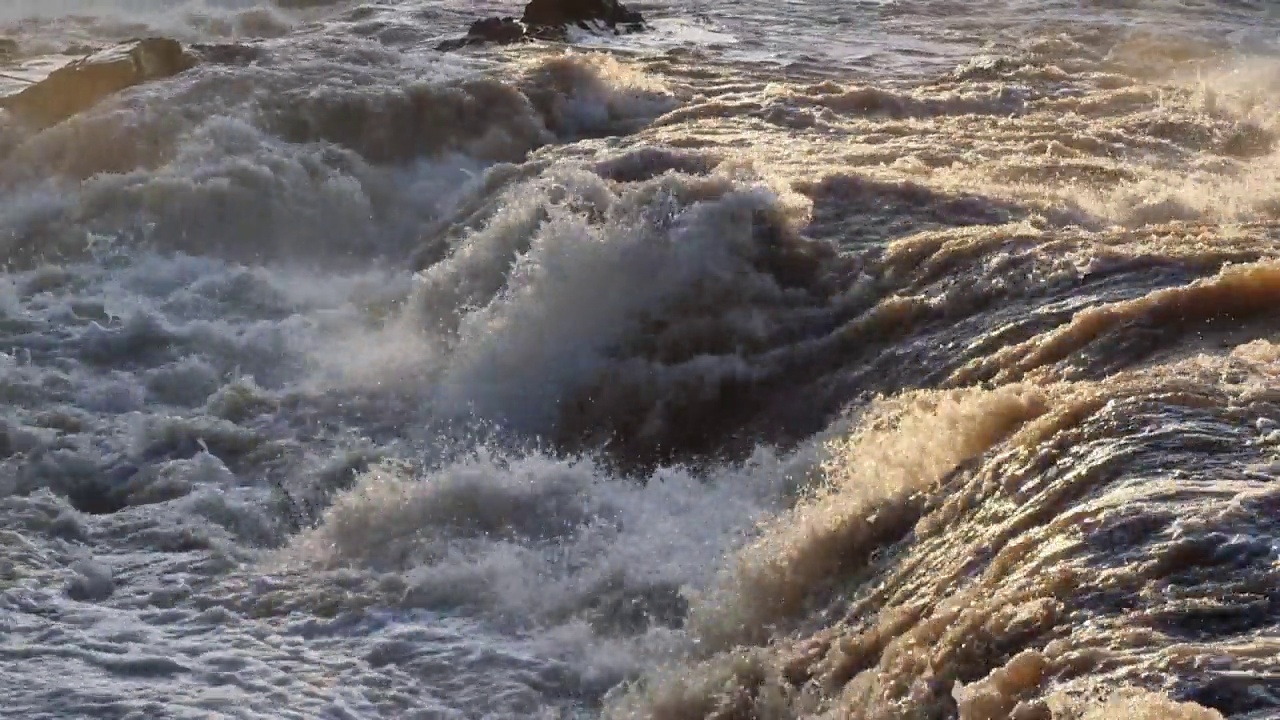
(873, 360)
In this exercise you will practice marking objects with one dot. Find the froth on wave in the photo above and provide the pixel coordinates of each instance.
(596, 569)
(992, 553)
(42, 27)
(1055, 500)
(1059, 507)
(659, 303)
(322, 158)
(574, 298)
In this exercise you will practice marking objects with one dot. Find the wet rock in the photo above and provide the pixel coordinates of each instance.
(549, 20)
(82, 83)
(548, 13)
(8, 49)
(502, 31)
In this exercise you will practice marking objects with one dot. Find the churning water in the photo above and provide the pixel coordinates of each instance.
(912, 359)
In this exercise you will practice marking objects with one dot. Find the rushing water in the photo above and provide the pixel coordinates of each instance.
(911, 359)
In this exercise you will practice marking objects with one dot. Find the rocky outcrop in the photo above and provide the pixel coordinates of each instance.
(82, 83)
(548, 13)
(501, 31)
(550, 20)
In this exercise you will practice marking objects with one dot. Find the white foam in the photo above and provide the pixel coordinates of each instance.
(220, 353)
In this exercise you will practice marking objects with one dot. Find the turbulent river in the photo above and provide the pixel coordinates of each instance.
(875, 360)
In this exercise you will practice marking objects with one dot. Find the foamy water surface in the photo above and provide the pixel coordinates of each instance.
(885, 359)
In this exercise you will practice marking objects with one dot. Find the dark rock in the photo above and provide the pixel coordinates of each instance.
(82, 83)
(548, 13)
(549, 20)
(8, 49)
(502, 31)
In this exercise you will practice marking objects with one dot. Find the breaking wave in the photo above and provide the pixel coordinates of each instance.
(343, 376)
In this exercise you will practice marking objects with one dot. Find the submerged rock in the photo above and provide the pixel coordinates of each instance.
(549, 20)
(82, 83)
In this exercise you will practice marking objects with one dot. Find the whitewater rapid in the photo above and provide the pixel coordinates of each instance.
(863, 360)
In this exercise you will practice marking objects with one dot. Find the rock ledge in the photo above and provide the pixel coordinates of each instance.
(550, 20)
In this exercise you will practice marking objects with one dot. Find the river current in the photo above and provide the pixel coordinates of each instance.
(911, 359)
